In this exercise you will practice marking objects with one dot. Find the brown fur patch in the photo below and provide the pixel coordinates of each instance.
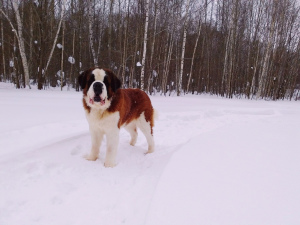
(131, 103)
(85, 106)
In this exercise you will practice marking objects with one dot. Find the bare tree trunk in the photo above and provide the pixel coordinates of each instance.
(253, 89)
(230, 53)
(110, 24)
(150, 80)
(55, 39)
(20, 39)
(101, 31)
(257, 27)
(193, 57)
(183, 48)
(21, 43)
(263, 76)
(62, 74)
(225, 69)
(14, 73)
(31, 38)
(132, 70)
(73, 52)
(145, 45)
(167, 63)
(125, 46)
(3, 53)
(91, 34)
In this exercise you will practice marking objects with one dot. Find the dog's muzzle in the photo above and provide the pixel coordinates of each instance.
(98, 87)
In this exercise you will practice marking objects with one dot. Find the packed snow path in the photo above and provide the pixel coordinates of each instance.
(217, 161)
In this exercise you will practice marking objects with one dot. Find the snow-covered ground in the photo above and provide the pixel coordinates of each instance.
(217, 161)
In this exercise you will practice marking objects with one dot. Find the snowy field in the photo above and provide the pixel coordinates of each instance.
(217, 161)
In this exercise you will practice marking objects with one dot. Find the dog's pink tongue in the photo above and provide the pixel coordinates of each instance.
(91, 101)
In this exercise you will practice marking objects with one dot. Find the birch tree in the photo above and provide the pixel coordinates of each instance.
(62, 74)
(91, 33)
(194, 53)
(20, 39)
(56, 37)
(145, 45)
(258, 18)
(3, 52)
(230, 53)
(265, 67)
(233, 47)
(183, 48)
(110, 27)
(152, 48)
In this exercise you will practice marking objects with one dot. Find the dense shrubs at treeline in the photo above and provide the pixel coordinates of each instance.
(234, 48)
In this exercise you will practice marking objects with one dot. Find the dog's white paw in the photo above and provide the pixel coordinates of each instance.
(109, 164)
(91, 157)
(150, 150)
(133, 142)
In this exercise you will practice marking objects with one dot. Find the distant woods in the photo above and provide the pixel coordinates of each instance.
(232, 48)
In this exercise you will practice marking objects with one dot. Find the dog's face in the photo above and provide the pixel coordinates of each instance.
(98, 86)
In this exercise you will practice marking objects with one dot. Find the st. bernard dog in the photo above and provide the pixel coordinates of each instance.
(108, 108)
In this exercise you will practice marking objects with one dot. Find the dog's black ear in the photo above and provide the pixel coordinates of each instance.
(82, 79)
(117, 83)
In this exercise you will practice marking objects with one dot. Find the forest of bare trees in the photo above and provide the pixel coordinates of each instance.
(232, 48)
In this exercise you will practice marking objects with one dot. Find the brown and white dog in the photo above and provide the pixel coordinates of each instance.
(108, 108)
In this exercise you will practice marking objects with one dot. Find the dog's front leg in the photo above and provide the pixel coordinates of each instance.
(96, 142)
(112, 148)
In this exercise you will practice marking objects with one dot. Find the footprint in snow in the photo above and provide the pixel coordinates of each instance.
(77, 150)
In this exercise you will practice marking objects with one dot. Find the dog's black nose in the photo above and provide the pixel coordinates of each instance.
(98, 88)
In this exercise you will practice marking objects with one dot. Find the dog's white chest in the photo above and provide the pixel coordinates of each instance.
(103, 121)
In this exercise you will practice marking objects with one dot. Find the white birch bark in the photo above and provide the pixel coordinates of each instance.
(167, 64)
(91, 34)
(110, 25)
(20, 39)
(55, 39)
(73, 52)
(145, 46)
(263, 76)
(183, 49)
(225, 69)
(257, 28)
(125, 46)
(152, 48)
(132, 70)
(101, 32)
(62, 56)
(21, 43)
(252, 89)
(229, 52)
(193, 57)
(3, 53)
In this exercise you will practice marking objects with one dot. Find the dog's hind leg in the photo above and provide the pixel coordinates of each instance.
(131, 128)
(146, 128)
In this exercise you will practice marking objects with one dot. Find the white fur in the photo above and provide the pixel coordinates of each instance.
(144, 126)
(99, 74)
(91, 95)
(104, 123)
(132, 130)
(146, 129)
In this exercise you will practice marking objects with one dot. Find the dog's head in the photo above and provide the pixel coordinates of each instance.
(98, 86)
